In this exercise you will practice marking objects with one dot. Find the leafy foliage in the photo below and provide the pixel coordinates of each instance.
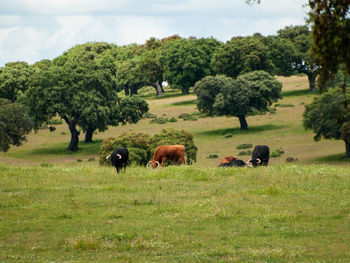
(14, 124)
(330, 33)
(185, 61)
(136, 143)
(141, 146)
(241, 55)
(14, 80)
(171, 136)
(328, 116)
(249, 93)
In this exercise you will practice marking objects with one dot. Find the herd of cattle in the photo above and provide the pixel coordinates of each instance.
(176, 153)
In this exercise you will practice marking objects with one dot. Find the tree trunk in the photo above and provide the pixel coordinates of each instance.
(243, 122)
(185, 91)
(133, 90)
(73, 145)
(89, 133)
(158, 88)
(126, 90)
(347, 149)
(312, 80)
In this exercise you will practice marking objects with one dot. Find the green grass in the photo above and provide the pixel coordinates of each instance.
(281, 213)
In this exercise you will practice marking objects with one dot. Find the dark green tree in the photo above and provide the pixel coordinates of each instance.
(14, 124)
(241, 55)
(80, 88)
(329, 118)
(330, 26)
(14, 79)
(250, 93)
(185, 61)
(303, 61)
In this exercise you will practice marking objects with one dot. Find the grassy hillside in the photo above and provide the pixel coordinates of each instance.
(282, 130)
(281, 213)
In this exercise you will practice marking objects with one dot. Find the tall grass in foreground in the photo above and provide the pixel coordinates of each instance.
(284, 213)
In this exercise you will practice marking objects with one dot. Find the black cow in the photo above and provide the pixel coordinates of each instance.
(233, 163)
(119, 158)
(260, 156)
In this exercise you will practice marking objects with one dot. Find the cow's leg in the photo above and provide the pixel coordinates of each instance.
(163, 161)
(182, 160)
(117, 168)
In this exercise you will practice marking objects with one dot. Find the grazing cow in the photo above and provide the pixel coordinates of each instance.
(233, 163)
(174, 153)
(260, 156)
(119, 158)
(228, 159)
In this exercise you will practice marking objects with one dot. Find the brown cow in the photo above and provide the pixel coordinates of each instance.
(228, 159)
(174, 153)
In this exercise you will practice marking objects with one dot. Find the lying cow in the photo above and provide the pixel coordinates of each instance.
(174, 153)
(233, 163)
(119, 158)
(260, 156)
(228, 159)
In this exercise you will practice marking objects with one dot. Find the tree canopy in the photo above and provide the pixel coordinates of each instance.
(241, 55)
(80, 88)
(14, 80)
(330, 24)
(329, 117)
(185, 61)
(249, 93)
(14, 124)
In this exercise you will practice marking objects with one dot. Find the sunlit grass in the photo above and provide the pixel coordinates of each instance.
(282, 213)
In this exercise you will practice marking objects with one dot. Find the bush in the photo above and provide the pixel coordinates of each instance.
(141, 147)
(213, 156)
(249, 152)
(172, 119)
(277, 153)
(190, 116)
(291, 159)
(160, 120)
(172, 136)
(54, 121)
(244, 146)
(136, 143)
(149, 115)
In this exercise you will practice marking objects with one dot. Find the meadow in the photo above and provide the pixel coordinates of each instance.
(64, 207)
(213, 136)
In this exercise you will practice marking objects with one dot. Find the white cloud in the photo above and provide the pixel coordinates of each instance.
(31, 30)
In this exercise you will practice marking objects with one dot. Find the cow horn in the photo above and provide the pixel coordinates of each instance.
(119, 156)
(157, 163)
(258, 160)
(109, 156)
(249, 161)
(148, 163)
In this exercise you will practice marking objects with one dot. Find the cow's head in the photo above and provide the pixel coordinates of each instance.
(253, 162)
(154, 164)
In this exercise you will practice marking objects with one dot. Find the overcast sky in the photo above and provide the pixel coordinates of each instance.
(31, 30)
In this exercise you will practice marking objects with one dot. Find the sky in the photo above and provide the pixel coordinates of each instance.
(32, 30)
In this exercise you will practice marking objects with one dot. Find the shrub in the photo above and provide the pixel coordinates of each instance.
(190, 116)
(212, 156)
(52, 128)
(141, 146)
(160, 120)
(244, 146)
(172, 119)
(277, 153)
(149, 115)
(248, 152)
(172, 136)
(136, 143)
(54, 121)
(291, 159)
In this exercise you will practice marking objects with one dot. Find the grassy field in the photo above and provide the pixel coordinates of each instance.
(280, 213)
(282, 130)
(57, 206)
